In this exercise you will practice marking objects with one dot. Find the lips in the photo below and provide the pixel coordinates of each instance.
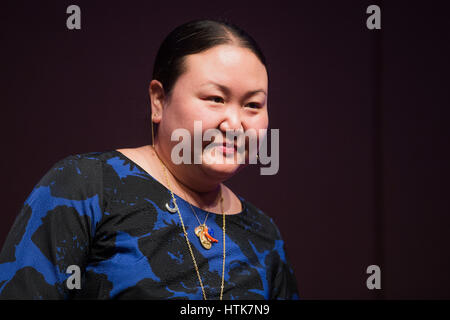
(226, 149)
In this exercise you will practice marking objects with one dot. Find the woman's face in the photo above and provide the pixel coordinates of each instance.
(225, 88)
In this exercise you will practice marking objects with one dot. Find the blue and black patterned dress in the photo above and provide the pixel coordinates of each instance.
(103, 213)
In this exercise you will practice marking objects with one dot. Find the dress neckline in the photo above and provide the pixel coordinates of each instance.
(123, 156)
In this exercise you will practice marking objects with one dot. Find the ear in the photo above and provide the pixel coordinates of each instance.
(157, 97)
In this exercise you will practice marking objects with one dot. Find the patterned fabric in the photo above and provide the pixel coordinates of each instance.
(104, 213)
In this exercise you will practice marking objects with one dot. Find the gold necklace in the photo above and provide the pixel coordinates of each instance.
(187, 239)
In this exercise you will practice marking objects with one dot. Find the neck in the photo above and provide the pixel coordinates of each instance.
(200, 188)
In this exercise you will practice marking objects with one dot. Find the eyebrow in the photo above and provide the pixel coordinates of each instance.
(227, 90)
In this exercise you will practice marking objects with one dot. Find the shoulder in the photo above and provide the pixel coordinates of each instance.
(76, 175)
(259, 221)
(72, 166)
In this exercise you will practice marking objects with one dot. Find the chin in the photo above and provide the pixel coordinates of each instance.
(221, 172)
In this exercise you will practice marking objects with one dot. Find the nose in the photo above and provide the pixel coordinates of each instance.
(232, 119)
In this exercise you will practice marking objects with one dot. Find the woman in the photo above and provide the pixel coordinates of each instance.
(133, 223)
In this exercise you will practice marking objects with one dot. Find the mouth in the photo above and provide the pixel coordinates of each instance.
(228, 148)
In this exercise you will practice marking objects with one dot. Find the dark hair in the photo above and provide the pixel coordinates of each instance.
(194, 37)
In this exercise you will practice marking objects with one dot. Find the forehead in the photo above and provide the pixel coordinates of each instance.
(229, 65)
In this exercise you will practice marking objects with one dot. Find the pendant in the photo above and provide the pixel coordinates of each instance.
(205, 238)
(171, 209)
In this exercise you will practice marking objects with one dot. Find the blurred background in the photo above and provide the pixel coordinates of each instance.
(363, 119)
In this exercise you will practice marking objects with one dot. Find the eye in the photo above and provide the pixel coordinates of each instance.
(254, 105)
(216, 99)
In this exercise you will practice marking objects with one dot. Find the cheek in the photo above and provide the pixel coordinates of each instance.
(179, 114)
(257, 123)
(183, 114)
(196, 110)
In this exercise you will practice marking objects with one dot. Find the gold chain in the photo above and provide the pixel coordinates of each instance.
(195, 214)
(187, 239)
(204, 222)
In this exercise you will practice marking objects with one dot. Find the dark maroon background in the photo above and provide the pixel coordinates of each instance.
(364, 164)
